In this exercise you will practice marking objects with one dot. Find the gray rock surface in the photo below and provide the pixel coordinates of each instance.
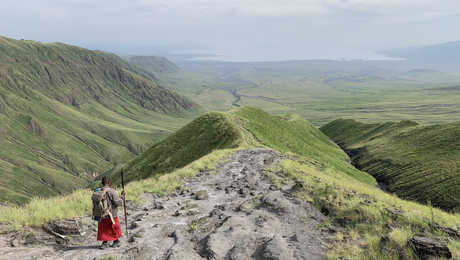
(426, 247)
(239, 215)
(202, 195)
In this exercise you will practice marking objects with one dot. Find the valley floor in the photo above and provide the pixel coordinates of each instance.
(232, 212)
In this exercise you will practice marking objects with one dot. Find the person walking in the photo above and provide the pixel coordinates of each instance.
(105, 210)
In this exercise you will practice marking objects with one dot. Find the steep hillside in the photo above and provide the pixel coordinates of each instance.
(153, 64)
(76, 76)
(200, 137)
(416, 162)
(69, 114)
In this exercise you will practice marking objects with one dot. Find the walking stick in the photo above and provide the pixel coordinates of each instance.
(124, 202)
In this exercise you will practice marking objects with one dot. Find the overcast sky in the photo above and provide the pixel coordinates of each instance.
(235, 29)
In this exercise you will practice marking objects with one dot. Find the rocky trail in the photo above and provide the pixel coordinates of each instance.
(232, 213)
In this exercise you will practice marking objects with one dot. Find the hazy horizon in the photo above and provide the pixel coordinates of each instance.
(251, 30)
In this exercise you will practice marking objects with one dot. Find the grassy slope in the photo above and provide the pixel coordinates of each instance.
(295, 135)
(200, 137)
(361, 211)
(68, 113)
(417, 162)
(368, 223)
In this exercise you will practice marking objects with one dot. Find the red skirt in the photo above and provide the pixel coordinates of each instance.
(108, 232)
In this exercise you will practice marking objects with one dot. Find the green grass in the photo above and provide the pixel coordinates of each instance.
(416, 162)
(41, 210)
(69, 114)
(296, 135)
(205, 134)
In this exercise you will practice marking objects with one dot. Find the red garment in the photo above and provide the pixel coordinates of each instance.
(108, 232)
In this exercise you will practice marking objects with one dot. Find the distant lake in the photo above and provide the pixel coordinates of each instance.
(200, 55)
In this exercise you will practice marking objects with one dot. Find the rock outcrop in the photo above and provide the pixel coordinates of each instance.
(426, 247)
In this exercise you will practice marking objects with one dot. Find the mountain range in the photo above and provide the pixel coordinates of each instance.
(443, 53)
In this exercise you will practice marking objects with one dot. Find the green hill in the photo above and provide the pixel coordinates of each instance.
(195, 140)
(416, 162)
(153, 64)
(69, 114)
(291, 134)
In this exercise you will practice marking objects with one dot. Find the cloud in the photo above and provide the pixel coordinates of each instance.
(408, 8)
(242, 27)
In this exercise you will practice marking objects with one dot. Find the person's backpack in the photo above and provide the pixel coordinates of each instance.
(102, 205)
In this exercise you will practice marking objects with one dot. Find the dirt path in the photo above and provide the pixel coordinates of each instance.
(235, 213)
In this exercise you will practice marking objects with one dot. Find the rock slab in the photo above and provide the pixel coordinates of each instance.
(426, 247)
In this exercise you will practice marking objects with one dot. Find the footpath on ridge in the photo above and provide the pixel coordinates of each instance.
(234, 212)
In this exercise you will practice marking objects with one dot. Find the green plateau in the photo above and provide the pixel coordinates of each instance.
(323, 90)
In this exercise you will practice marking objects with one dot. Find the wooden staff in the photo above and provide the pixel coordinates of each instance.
(124, 201)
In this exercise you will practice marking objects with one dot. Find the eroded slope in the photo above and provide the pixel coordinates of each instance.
(416, 162)
(68, 114)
